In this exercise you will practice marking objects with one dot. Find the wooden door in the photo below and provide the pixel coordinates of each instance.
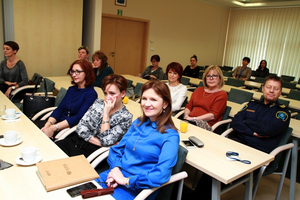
(124, 41)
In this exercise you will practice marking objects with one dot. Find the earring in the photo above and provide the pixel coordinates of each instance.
(164, 110)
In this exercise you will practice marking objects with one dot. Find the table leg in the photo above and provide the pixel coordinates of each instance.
(248, 187)
(293, 174)
(216, 190)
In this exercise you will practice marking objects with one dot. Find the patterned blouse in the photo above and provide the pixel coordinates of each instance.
(90, 124)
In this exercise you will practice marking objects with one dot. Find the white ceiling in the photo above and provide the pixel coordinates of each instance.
(253, 3)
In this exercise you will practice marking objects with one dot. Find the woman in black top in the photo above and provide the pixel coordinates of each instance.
(262, 70)
(192, 70)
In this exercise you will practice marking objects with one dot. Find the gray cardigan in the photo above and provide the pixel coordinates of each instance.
(16, 74)
(158, 73)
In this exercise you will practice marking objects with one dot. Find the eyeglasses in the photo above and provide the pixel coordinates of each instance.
(77, 72)
(213, 76)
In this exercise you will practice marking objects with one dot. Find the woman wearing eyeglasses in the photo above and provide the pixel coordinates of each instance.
(77, 100)
(208, 103)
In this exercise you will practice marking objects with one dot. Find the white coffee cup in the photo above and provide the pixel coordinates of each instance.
(29, 153)
(10, 137)
(10, 113)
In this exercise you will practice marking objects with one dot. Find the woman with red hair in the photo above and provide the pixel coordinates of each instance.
(77, 100)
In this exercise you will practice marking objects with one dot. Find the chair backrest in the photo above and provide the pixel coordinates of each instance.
(259, 79)
(294, 94)
(36, 78)
(226, 113)
(165, 77)
(227, 68)
(166, 191)
(129, 83)
(138, 88)
(289, 85)
(274, 164)
(239, 96)
(200, 84)
(200, 75)
(235, 82)
(61, 94)
(185, 81)
(287, 78)
(223, 127)
(50, 86)
(201, 67)
(226, 73)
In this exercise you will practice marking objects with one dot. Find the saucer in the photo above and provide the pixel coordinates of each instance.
(16, 117)
(22, 162)
(3, 143)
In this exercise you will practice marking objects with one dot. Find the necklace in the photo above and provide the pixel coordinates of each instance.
(210, 94)
(136, 144)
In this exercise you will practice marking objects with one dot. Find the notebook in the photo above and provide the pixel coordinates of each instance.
(65, 172)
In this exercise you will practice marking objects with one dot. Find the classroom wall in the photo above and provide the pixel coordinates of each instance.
(49, 33)
(2, 31)
(180, 28)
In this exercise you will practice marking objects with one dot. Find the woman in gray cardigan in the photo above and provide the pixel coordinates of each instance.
(13, 73)
(153, 71)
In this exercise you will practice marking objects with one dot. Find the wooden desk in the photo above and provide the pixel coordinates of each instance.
(212, 156)
(22, 182)
(135, 79)
(193, 81)
(252, 84)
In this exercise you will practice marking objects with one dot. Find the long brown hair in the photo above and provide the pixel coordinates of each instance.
(101, 56)
(164, 120)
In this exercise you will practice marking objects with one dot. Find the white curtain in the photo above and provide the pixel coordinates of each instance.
(271, 34)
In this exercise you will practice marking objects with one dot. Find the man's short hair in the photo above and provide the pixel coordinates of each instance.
(85, 48)
(274, 78)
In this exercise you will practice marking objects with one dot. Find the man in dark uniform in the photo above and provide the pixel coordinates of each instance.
(261, 124)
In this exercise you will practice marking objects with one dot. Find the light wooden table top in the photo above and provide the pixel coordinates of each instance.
(22, 182)
(211, 158)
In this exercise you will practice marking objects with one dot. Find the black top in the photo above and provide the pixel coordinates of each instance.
(191, 72)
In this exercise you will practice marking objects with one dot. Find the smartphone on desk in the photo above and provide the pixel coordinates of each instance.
(188, 144)
(75, 191)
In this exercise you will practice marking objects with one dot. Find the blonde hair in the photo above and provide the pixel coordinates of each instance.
(218, 70)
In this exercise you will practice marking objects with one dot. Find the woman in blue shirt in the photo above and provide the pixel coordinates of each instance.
(145, 156)
(77, 100)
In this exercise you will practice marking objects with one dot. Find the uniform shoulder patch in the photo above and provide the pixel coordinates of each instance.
(244, 107)
(282, 115)
(282, 106)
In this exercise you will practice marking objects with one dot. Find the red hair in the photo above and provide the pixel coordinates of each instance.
(87, 67)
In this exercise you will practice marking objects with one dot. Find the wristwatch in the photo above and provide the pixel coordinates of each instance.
(127, 184)
(194, 119)
(13, 87)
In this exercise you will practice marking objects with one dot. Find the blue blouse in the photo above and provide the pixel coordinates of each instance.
(150, 164)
